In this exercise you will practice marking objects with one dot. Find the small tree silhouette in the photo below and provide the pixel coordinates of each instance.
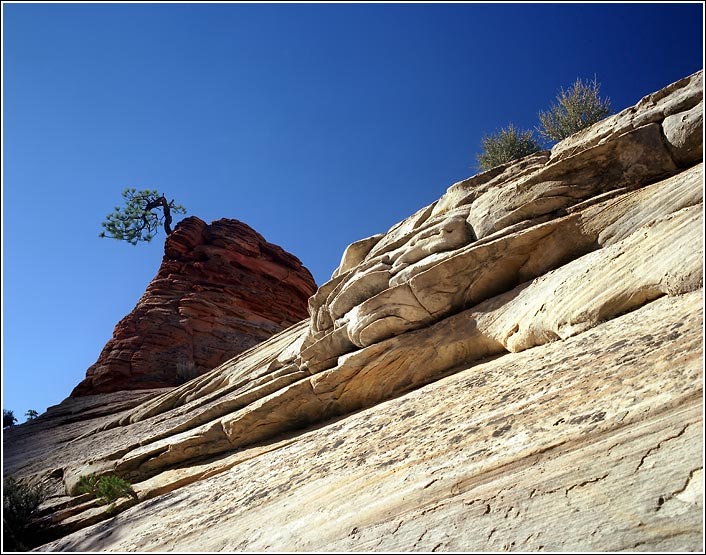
(577, 108)
(506, 145)
(31, 414)
(138, 221)
(8, 418)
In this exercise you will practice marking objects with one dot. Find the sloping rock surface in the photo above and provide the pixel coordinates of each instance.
(220, 290)
(517, 366)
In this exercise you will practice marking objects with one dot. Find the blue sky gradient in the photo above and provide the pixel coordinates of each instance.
(317, 125)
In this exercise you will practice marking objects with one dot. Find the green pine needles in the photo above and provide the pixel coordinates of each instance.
(138, 221)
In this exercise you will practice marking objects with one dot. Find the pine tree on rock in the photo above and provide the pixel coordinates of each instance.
(144, 212)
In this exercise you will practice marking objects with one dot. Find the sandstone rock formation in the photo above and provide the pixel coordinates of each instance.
(220, 290)
(517, 366)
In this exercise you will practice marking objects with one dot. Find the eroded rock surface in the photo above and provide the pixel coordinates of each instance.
(600, 434)
(220, 290)
(519, 358)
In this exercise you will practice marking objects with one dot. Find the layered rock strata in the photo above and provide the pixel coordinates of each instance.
(221, 288)
(520, 359)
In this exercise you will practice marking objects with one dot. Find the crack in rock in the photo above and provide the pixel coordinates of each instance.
(585, 483)
(658, 446)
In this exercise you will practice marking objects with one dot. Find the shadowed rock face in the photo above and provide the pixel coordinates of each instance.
(517, 366)
(220, 290)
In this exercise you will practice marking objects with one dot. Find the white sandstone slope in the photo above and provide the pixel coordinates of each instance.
(517, 366)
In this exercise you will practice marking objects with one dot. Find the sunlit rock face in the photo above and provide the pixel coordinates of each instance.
(517, 366)
(220, 290)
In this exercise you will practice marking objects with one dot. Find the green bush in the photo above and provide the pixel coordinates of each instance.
(577, 108)
(20, 502)
(87, 484)
(506, 145)
(106, 488)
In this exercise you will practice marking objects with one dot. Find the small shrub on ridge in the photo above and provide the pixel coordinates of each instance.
(506, 145)
(106, 488)
(577, 108)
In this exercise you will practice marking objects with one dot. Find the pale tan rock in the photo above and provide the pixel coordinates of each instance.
(43, 448)
(375, 274)
(324, 352)
(484, 269)
(355, 253)
(391, 312)
(502, 202)
(662, 258)
(600, 433)
(319, 317)
(465, 192)
(678, 97)
(684, 132)
(617, 218)
(451, 233)
(635, 158)
(531, 315)
(401, 232)
(360, 286)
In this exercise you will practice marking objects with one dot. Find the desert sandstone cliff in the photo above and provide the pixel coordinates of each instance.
(517, 366)
(221, 288)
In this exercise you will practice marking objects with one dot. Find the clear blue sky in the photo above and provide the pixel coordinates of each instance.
(315, 124)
